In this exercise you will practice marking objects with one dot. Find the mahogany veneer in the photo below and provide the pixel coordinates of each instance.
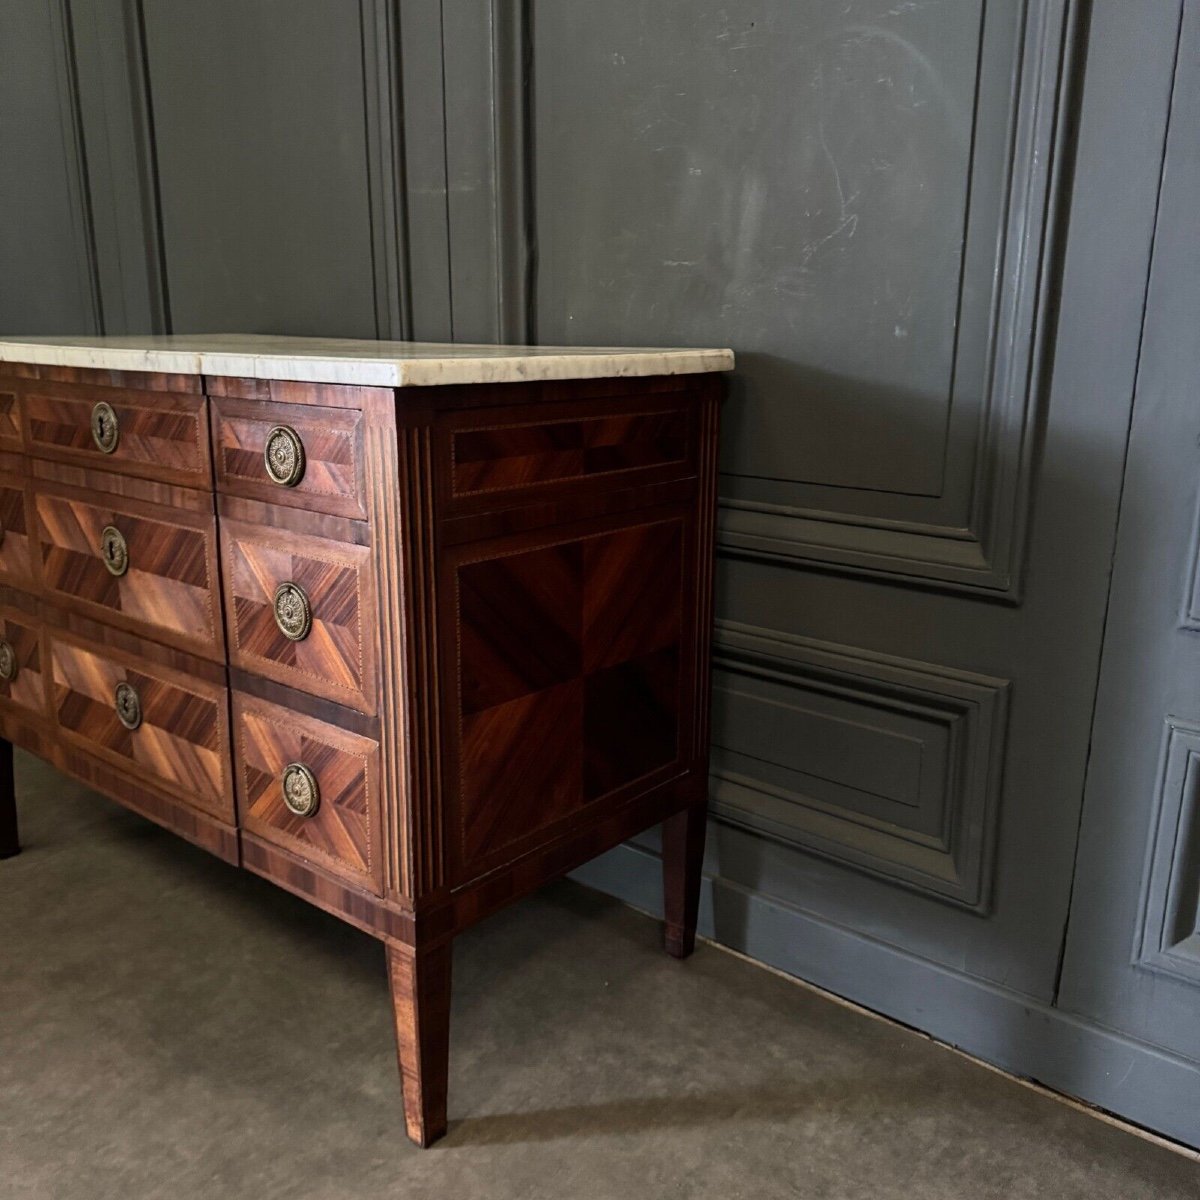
(490, 661)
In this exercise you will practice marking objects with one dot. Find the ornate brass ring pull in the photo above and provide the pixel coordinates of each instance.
(301, 793)
(284, 456)
(128, 705)
(8, 662)
(105, 430)
(293, 612)
(113, 550)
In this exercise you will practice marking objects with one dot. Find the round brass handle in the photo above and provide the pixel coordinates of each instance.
(113, 550)
(128, 704)
(106, 431)
(284, 456)
(8, 662)
(301, 792)
(293, 611)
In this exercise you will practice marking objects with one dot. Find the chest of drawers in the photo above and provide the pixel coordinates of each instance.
(406, 630)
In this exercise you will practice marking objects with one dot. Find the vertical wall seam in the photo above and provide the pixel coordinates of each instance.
(156, 231)
(1112, 558)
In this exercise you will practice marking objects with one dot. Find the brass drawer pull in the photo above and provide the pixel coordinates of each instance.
(284, 456)
(301, 793)
(105, 430)
(293, 611)
(8, 662)
(113, 550)
(128, 705)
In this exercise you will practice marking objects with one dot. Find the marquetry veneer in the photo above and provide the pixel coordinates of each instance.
(406, 652)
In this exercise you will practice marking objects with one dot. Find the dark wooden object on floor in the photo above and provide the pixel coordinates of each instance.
(408, 653)
(10, 842)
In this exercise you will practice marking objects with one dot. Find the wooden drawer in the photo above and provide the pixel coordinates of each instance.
(16, 560)
(22, 663)
(343, 833)
(324, 446)
(159, 435)
(10, 416)
(508, 455)
(168, 590)
(182, 741)
(335, 658)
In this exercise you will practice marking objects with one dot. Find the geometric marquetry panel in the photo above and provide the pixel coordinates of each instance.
(10, 419)
(182, 742)
(569, 676)
(1169, 938)
(501, 457)
(343, 834)
(333, 480)
(889, 765)
(333, 659)
(162, 435)
(168, 590)
(15, 562)
(27, 688)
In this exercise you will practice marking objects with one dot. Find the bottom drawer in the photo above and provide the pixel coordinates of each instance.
(22, 663)
(156, 724)
(310, 788)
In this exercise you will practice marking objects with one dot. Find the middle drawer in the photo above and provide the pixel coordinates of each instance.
(300, 610)
(145, 567)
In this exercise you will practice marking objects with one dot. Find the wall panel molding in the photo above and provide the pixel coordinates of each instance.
(75, 159)
(1190, 616)
(117, 126)
(383, 113)
(976, 543)
(886, 764)
(489, 148)
(1169, 937)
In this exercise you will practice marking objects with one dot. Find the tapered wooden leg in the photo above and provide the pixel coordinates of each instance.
(10, 843)
(420, 982)
(682, 855)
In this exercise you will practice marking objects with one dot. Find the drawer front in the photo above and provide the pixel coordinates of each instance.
(568, 448)
(181, 739)
(153, 435)
(316, 455)
(339, 774)
(10, 417)
(22, 663)
(16, 560)
(334, 658)
(168, 588)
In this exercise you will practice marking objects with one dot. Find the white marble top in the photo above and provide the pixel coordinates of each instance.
(383, 364)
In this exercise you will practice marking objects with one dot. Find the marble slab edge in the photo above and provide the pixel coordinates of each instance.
(382, 372)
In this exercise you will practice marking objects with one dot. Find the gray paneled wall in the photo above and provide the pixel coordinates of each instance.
(925, 228)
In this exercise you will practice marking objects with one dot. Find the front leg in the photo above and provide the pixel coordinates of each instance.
(420, 980)
(10, 843)
(682, 859)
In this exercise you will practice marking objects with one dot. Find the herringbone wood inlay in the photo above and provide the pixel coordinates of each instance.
(28, 689)
(183, 740)
(333, 660)
(169, 589)
(162, 435)
(569, 678)
(343, 834)
(15, 563)
(333, 479)
(519, 455)
(10, 419)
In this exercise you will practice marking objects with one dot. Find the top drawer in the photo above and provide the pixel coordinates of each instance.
(303, 455)
(159, 435)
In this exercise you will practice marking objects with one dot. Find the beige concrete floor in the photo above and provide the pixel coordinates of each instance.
(171, 1027)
